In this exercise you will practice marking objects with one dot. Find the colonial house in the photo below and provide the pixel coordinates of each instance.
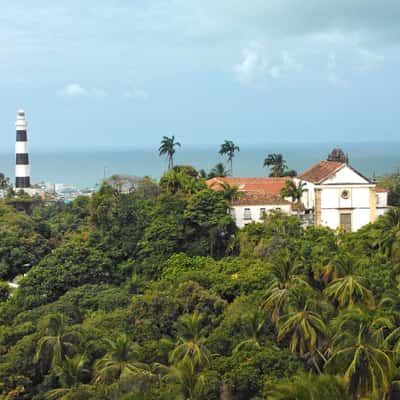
(257, 196)
(335, 195)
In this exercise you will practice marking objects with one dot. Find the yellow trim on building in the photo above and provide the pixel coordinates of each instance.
(318, 207)
(372, 204)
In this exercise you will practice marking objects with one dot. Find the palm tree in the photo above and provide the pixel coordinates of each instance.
(293, 190)
(167, 149)
(229, 192)
(254, 326)
(186, 380)
(120, 362)
(219, 171)
(277, 164)
(190, 344)
(367, 367)
(288, 274)
(309, 387)
(348, 288)
(389, 242)
(57, 341)
(70, 373)
(229, 148)
(305, 329)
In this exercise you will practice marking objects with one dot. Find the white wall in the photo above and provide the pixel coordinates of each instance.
(358, 203)
(238, 212)
(381, 199)
(359, 218)
(345, 175)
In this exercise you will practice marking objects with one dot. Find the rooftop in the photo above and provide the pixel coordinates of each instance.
(321, 171)
(270, 186)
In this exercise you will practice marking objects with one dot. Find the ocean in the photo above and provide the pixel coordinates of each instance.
(88, 168)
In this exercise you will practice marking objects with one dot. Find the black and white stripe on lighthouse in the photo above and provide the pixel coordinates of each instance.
(22, 174)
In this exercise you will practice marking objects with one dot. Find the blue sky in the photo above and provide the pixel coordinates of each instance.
(122, 73)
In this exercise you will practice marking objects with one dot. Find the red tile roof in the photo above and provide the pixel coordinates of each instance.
(255, 191)
(380, 189)
(321, 171)
(272, 186)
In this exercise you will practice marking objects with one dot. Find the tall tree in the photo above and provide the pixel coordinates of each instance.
(348, 289)
(57, 341)
(69, 373)
(276, 162)
(293, 190)
(219, 171)
(186, 381)
(229, 148)
(304, 327)
(288, 275)
(120, 361)
(309, 387)
(190, 343)
(367, 366)
(168, 149)
(230, 192)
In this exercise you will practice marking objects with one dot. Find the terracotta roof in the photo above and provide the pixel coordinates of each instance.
(255, 191)
(260, 198)
(267, 186)
(380, 189)
(321, 171)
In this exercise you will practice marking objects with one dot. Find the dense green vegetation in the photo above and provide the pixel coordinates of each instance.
(151, 293)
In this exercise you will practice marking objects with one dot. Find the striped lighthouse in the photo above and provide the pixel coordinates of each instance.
(22, 173)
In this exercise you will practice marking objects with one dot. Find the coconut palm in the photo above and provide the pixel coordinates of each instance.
(389, 241)
(70, 373)
(254, 327)
(190, 344)
(293, 190)
(304, 328)
(229, 148)
(186, 381)
(57, 341)
(167, 148)
(120, 362)
(229, 192)
(288, 274)
(348, 289)
(219, 171)
(309, 387)
(367, 367)
(277, 164)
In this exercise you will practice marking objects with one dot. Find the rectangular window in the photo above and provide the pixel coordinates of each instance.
(263, 213)
(247, 214)
(345, 222)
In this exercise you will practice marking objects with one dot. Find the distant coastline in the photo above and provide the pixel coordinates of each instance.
(84, 168)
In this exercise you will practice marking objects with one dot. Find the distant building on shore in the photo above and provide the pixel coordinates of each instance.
(334, 195)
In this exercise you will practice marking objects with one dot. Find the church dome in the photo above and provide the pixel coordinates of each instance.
(337, 155)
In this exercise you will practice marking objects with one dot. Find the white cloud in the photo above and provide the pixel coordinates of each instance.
(77, 90)
(254, 68)
(73, 90)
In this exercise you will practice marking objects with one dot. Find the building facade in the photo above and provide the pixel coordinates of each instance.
(334, 195)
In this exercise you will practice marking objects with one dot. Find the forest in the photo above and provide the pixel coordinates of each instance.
(150, 292)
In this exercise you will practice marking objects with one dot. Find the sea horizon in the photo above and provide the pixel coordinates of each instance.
(84, 167)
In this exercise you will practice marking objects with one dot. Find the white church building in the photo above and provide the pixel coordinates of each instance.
(335, 195)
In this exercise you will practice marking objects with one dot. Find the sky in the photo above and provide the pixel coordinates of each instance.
(123, 73)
